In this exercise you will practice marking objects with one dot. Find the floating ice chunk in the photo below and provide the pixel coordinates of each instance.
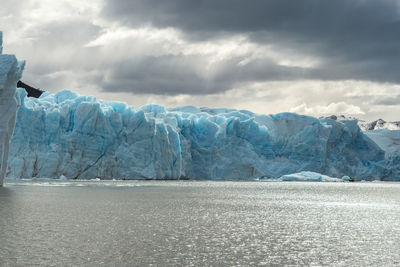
(346, 178)
(309, 176)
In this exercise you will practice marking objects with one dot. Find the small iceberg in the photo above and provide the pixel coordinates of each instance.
(309, 176)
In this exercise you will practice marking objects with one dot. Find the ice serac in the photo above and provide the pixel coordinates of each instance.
(389, 141)
(73, 136)
(10, 73)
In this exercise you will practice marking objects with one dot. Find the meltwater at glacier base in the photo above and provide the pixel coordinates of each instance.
(66, 135)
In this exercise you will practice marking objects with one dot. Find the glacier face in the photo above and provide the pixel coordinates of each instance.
(10, 73)
(389, 141)
(387, 136)
(73, 136)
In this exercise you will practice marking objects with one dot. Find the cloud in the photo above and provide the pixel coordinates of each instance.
(388, 100)
(153, 61)
(332, 108)
(356, 40)
(51, 37)
(268, 56)
(179, 74)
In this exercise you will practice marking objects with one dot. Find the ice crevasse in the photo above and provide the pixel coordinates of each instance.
(74, 136)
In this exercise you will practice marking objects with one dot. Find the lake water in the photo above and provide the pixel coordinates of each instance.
(140, 223)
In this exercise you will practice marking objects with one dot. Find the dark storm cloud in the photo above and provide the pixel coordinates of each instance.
(184, 75)
(388, 101)
(312, 16)
(356, 39)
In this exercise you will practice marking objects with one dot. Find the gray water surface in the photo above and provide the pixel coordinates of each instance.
(140, 223)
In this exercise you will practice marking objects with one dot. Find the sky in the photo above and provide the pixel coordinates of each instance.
(311, 57)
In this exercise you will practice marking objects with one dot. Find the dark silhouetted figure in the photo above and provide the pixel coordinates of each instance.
(32, 92)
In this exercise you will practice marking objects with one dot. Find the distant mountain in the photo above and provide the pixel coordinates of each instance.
(378, 124)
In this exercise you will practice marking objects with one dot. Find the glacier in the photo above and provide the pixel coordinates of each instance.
(387, 136)
(66, 135)
(389, 141)
(10, 72)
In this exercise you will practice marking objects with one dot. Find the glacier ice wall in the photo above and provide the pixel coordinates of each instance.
(10, 73)
(75, 136)
(389, 141)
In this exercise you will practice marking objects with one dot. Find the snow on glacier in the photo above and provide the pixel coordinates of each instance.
(10, 73)
(73, 136)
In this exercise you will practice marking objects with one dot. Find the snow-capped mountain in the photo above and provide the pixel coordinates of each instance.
(378, 124)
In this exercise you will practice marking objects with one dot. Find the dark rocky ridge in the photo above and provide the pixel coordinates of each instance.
(32, 92)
